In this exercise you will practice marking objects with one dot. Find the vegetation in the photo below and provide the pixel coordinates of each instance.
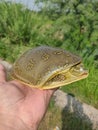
(76, 22)
(71, 25)
(55, 118)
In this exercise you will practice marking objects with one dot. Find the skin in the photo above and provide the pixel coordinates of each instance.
(21, 107)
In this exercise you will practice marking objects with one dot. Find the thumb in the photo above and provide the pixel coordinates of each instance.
(2, 74)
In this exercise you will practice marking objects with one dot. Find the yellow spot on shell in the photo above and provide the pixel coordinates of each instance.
(45, 56)
(58, 52)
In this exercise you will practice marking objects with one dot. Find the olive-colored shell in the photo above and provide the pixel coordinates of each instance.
(35, 66)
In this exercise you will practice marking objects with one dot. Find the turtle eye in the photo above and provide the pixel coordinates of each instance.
(81, 69)
(78, 67)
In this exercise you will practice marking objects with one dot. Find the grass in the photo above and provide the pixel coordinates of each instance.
(21, 29)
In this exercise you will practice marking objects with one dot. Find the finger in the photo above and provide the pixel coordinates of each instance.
(2, 74)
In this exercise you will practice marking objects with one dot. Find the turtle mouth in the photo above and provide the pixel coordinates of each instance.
(73, 74)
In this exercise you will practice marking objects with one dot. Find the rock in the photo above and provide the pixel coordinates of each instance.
(81, 110)
(5, 64)
(7, 67)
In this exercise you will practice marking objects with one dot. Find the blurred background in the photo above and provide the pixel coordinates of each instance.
(68, 24)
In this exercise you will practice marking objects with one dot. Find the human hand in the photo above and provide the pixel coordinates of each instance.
(21, 107)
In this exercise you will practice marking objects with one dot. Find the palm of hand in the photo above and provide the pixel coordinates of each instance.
(19, 100)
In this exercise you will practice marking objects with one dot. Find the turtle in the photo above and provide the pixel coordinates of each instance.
(46, 67)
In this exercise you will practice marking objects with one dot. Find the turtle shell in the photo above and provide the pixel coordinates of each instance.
(37, 65)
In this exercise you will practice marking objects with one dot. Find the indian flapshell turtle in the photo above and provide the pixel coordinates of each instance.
(47, 67)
